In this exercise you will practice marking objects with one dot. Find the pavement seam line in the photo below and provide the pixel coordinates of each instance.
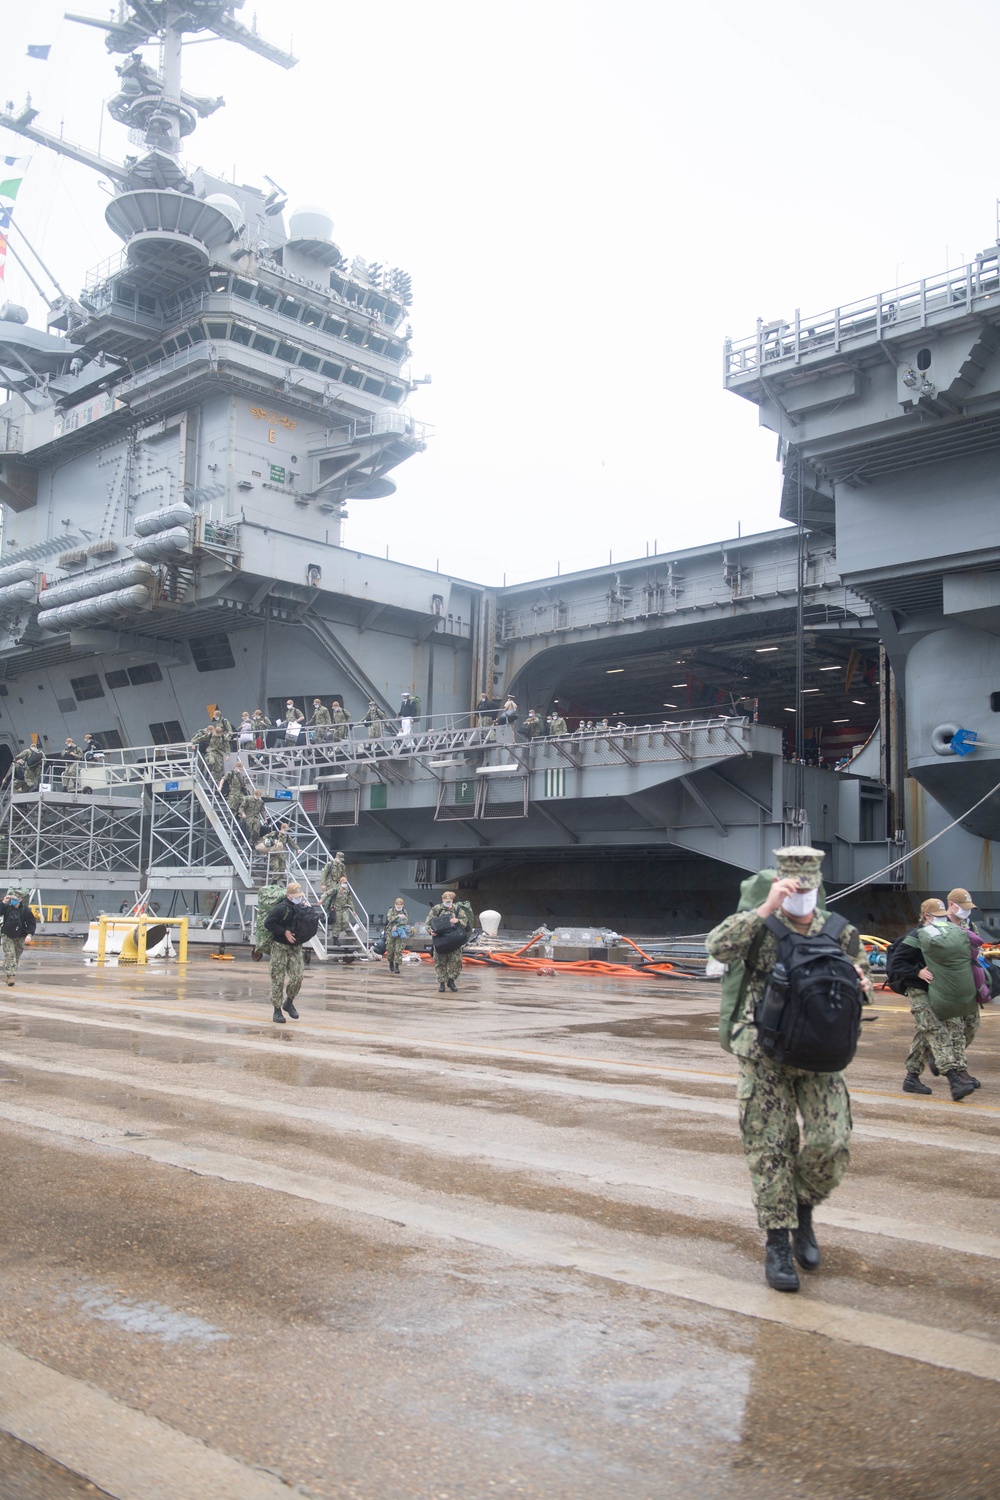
(497, 1156)
(126, 1452)
(908, 1105)
(939, 1347)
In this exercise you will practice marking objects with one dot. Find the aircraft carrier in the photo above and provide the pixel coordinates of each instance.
(178, 450)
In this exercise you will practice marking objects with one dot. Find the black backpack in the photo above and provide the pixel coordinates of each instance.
(809, 1015)
(895, 977)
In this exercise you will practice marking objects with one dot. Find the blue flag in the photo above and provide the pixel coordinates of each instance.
(42, 53)
(5, 214)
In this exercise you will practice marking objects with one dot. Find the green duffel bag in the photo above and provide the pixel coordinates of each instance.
(948, 955)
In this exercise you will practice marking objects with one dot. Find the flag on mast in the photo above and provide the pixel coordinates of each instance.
(41, 53)
(12, 170)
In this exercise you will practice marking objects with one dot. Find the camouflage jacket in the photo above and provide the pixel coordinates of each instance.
(730, 942)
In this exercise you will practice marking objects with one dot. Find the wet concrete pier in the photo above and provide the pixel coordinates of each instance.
(423, 1247)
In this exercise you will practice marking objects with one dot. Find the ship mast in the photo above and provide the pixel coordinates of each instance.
(154, 106)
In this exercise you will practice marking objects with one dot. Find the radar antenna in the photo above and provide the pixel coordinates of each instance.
(156, 109)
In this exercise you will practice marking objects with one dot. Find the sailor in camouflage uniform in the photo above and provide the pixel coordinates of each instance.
(320, 722)
(791, 1170)
(341, 719)
(333, 873)
(252, 813)
(448, 966)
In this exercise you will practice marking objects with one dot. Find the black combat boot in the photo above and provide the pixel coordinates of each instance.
(804, 1246)
(289, 1008)
(967, 1077)
(452, 985)
(440, 989)
(912, 1085)
(960, 1087)
(778, 1268)
(277, 1015)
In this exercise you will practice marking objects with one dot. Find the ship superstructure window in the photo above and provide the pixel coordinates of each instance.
(212, 653)
(108, 739)
(85, 688)
(167, 733)
(995, 702)
(134, 676)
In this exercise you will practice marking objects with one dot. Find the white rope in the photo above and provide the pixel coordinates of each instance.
(858, 884)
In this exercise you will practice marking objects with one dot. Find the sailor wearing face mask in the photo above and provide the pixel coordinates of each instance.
(960, 909)
(291, 924)
(17, 926)
(792, 1167)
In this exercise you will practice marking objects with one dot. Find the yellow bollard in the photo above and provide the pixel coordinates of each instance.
(182, 942)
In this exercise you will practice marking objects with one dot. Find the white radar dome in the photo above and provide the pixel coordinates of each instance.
(229, 207)
(310, 223)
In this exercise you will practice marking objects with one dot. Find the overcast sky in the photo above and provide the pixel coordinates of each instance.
(589, 197)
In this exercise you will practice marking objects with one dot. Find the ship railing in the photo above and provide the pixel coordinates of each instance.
(292, 772)
(661, 596)
(956, 292)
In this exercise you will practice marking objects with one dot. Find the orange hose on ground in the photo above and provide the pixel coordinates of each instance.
(592, 966)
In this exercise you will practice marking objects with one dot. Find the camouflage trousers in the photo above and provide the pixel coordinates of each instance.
(394, 950)
(448, 965)
(944, 1041)
(340, 923)
(287, 967)
(789, 1166)
(12, 949)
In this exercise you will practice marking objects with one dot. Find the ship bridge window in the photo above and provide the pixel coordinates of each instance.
(356, 335)
(183, 340)
(218, 330)
(289, 308)
(167, 733)
(312, 317)
(923, 359)
(373, 386)
(352, 377)
(394, 393)
(125, 295)
(116, 679)
(241, 334)
(85, 688)
(378, 345)
(108, 739)
(266, 298)
(147, 672)
(212, 653)
(266, 346)
(242, 288)
(145, 302)
(309, 361)
(287, 351)
(334, 326)
(170, 345)
(334, 372)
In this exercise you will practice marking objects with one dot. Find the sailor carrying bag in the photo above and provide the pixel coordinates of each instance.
(446, 936)
(809, 1015)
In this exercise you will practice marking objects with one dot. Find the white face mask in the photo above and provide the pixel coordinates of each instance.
(801, 903)
(965, 912)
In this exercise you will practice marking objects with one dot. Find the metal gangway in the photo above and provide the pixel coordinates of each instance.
(146, 819)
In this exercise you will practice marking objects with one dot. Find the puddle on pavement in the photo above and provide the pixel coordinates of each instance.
(150, 1319)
